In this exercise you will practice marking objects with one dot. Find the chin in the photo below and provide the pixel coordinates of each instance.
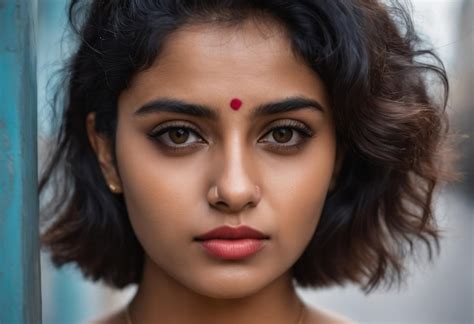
(230, 286)
(228, 291)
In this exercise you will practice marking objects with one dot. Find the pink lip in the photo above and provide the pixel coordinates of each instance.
(232, 243)
(232, 249)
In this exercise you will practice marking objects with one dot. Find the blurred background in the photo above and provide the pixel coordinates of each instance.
(438, 292)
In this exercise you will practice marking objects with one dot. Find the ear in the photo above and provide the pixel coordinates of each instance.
(103, 151)
(340, 154)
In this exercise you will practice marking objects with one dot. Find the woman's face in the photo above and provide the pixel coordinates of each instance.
(185, 174)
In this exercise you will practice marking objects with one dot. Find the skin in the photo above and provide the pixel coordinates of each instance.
(171, 197)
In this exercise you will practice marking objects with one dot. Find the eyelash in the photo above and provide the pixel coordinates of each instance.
(302, 130)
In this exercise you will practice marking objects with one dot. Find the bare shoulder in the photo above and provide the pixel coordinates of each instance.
(114, 318)
(320, 315)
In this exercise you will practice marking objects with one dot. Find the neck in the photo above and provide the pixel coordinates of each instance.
(161, 299)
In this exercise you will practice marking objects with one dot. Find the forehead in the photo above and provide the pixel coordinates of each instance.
(251, 61)
(241, 46)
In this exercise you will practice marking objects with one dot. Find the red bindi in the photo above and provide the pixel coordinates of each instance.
(235, 104)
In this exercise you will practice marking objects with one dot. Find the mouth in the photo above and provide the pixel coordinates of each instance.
(232, 243)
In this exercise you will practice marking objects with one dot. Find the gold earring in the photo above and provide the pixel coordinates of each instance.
(113, 188)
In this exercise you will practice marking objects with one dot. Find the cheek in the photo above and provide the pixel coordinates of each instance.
(304, 185)
(160, 193)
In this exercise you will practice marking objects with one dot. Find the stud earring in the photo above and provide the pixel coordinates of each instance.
(113, 188)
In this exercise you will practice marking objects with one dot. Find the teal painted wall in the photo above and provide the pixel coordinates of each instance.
(20, 300)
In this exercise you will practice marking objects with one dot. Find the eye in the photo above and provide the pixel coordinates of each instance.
(176, 136)
(287, 136)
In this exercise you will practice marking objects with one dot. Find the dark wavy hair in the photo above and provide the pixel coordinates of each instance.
(389, 123)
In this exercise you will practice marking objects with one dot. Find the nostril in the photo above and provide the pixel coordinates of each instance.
(221, 203)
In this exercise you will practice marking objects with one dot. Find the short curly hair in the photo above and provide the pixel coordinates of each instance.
(389, 123)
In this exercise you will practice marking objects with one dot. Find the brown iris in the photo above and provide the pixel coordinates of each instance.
(178, 135)
(282, 135)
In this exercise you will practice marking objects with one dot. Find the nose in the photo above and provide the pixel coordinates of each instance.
(234, 188)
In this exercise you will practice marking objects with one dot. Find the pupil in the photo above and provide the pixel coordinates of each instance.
(179, 136)
(282, 135)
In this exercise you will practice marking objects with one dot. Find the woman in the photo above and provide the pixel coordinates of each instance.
(219, 153)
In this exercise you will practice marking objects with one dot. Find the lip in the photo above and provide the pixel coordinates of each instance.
(232, 243)
(232, 233)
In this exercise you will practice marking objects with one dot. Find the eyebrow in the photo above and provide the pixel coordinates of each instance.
(196, 110)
